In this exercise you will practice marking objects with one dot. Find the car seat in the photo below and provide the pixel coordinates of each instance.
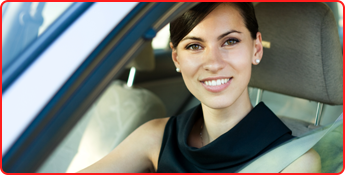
(116, 113)
(303, 58)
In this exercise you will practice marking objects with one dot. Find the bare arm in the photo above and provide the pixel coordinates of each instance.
(309, 162)
(136, 153)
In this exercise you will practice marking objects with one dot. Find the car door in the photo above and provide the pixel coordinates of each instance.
(53, 80)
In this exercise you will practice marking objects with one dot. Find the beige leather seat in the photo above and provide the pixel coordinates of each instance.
(116, 113)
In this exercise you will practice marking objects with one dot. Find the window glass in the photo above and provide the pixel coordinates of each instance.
(161, 41)
(23, 22)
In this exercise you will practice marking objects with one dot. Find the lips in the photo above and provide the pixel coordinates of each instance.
(216, 84)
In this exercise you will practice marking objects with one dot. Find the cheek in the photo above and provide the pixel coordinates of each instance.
(240, 60)
(189, 64)
(241, 65)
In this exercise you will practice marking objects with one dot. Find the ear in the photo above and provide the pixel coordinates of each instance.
(258, 49)
(174, 56)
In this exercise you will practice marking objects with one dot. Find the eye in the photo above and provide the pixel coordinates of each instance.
(193, 47)
(231, 42)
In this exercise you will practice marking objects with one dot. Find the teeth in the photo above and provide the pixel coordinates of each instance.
(216, 82)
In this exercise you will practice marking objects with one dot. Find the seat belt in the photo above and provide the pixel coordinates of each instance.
(275, 160)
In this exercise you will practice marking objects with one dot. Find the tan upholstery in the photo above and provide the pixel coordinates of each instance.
(305, 58)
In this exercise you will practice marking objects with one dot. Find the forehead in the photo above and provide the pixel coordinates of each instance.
(224, 17)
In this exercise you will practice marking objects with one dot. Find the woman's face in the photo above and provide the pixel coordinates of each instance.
(215, 58)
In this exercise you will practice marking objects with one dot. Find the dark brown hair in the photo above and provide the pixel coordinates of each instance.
(181, 26)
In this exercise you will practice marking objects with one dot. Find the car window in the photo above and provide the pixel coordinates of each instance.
(161, 41)
(30, 20)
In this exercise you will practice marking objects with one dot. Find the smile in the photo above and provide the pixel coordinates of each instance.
(216, 85)
(216, 82)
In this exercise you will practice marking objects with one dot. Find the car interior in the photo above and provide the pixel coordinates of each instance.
(299, 78)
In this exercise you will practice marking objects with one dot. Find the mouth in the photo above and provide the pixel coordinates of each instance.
(216, 84)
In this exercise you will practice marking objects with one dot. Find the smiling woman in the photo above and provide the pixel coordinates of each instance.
(215, 59)
(91, 117)
(219, 48)
(214, 46)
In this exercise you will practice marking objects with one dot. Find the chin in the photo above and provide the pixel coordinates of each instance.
(226, 100)
(218, 103)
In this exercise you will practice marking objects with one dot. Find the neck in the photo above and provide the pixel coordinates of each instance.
(219, 121)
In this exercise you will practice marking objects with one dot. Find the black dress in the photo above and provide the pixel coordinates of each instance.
(256, 133)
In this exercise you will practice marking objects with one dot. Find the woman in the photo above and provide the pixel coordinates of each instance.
(214, 46)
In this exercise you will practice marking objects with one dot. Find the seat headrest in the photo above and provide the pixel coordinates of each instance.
(304, 58)
(145, 60)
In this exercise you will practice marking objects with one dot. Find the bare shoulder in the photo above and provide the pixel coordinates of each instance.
(154, 132)
(156, 124)
(149, 134)
(310, 162)
(154, 128)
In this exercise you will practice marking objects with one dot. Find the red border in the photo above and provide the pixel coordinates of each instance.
(178, 1)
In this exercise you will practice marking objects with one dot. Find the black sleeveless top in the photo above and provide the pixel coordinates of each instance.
(256, 133)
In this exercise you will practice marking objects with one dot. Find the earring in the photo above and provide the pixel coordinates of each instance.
(178, 69)
(257, 61)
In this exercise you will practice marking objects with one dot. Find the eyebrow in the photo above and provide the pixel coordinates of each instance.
(219, 37)
(227, 33)
(193, 38)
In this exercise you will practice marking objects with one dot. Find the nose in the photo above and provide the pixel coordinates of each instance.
(213, 60)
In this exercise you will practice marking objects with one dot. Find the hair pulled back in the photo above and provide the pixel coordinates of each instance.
(181, 26)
